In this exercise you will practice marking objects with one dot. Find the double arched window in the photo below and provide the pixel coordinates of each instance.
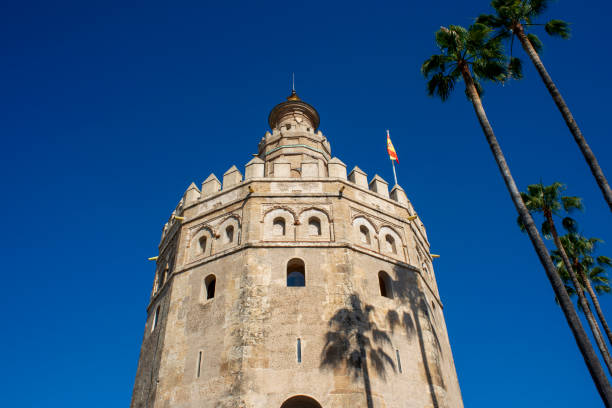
(296, 273)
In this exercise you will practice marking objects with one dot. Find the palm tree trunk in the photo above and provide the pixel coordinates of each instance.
(582, 340)
(602, 318)
(567, 115)
(586, 307)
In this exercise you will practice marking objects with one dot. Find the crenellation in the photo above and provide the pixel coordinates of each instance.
(336, 168)
(398, 194)
(379, 186)
(231, 178)
(192, 194)
(358, 177)
(254, 168)
(210, 186)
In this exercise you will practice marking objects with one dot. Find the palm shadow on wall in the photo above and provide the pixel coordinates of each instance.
(417, 323)
(355, 342)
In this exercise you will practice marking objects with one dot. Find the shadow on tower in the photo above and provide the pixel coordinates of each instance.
(353, 340)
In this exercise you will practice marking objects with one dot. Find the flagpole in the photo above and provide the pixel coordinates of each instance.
(392, 161)
(394, 175)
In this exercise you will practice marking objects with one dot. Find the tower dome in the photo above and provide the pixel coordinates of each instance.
(293, 111)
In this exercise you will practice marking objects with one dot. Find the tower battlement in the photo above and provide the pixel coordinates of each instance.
(290, 283)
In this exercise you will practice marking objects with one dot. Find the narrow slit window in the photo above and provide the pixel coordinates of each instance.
(155, 319)
(199, 364)
(299, 350)
(399, 362)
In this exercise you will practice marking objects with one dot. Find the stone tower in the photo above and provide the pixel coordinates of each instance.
(295, 286)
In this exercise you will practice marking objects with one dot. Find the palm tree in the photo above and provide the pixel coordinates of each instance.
(472, 54)
(511, 20)
(549, 201)
(591, 270)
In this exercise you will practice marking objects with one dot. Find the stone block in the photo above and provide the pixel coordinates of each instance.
(282, 170)
(310, 169)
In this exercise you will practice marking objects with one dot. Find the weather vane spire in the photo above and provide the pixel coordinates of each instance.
(293, 81)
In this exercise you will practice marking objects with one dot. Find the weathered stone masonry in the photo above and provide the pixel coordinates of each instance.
(230, 326)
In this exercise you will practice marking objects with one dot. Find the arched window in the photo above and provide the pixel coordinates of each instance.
(202, 243)
(209, 285)
(229, 234)
(301, 401)
(278, 226)
(314, 226)
(390, 244)
(296, 273)
(384, 281)
(155, 319)
(364, 234)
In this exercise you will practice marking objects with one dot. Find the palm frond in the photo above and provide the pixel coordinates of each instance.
(572, 203)
(558, 28)
(441, 85)
(537, 7)
(435, 63)
(515, 68)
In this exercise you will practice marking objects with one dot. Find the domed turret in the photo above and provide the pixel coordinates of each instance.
(293, 112)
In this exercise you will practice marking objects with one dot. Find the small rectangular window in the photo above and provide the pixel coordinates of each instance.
(299, 350)
(399, 362)
(199, 364)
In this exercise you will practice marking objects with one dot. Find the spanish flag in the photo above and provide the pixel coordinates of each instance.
(391, 150)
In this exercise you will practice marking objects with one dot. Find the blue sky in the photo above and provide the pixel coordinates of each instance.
(108, 110)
